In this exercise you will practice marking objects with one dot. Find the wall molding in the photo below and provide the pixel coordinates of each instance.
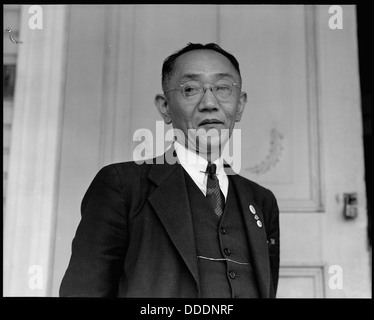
(303, 271)
(314, 203)
(313, 92)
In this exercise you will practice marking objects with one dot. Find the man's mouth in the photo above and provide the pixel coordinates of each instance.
(210, 122)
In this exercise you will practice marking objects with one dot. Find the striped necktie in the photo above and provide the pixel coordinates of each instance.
(213, 191)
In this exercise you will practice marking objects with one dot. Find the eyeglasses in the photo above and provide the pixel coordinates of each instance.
(195, 90)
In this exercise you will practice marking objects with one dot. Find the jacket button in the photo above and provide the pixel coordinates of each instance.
(232, 274)
(227, 251)
(223, 230)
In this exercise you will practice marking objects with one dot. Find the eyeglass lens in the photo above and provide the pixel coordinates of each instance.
(194, 90)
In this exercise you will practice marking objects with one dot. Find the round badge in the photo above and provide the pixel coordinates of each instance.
(252, 208)
(259, 223)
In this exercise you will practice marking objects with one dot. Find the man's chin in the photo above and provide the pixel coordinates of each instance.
(204, 141)
(209, 142)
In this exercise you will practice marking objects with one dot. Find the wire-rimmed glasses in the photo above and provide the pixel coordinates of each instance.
(195, 90)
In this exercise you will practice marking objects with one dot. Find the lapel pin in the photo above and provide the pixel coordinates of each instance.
(259, 223)
(256, 217)
(252, 209)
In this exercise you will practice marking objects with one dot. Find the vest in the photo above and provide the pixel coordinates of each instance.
(224, 261)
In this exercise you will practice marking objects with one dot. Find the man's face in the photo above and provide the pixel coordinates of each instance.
(207, 67)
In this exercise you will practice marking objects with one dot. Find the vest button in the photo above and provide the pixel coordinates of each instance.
(232, 274)
(223, 230)
(227, 251)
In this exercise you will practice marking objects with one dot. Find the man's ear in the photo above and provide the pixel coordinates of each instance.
(241, 104)
(162, 106)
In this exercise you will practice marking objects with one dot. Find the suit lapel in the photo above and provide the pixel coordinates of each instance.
(170, 201)
(256, 235)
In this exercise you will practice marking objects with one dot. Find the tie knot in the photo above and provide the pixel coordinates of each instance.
(211, 169)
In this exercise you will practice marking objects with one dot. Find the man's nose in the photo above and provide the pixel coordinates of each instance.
(208, 100)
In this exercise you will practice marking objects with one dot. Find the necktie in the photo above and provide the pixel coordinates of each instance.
(213, 191)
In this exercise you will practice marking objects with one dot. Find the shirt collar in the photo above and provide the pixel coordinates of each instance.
(192, 161)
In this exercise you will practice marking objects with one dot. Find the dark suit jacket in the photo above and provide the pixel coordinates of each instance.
(136, 239)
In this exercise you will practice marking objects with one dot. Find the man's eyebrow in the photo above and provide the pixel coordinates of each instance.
(197, 76)
(222, 75)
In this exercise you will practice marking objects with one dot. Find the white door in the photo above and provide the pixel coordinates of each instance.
(301, 130)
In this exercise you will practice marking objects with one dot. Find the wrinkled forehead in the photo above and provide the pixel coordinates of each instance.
(203, 65)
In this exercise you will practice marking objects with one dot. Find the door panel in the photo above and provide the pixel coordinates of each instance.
(278, 68)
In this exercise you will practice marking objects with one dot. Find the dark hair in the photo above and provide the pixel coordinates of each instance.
(169, 62)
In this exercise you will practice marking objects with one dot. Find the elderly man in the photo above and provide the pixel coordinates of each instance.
(185, 229)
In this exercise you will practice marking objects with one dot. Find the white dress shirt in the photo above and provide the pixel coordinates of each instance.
(195, 165)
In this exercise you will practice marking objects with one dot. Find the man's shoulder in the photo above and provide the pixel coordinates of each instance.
(135, 167)
(128, 167)
(255, 188)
